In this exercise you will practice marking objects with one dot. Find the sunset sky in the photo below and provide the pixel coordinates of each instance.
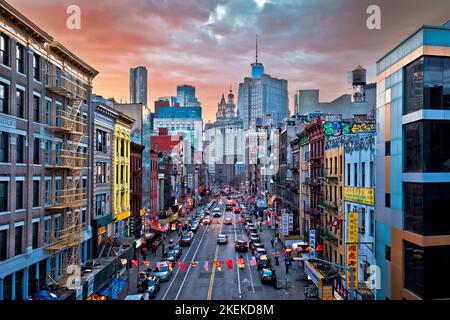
(211, 44)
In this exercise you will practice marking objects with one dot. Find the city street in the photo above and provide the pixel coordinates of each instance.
(195, 283)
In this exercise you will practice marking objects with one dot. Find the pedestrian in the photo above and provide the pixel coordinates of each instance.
(144, 253)
(272, 241)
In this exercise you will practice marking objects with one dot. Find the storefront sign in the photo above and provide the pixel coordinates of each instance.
(312, 243)
(122, 216)
(189, 184)
(352, 249)
(79, 293)
(338, 128)
(327, 293)
(312, 274)
(291, 221)
(101, 230)
(284, 222)
(360, 195)
(142, 212)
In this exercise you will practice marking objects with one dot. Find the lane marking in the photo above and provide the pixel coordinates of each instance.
(248, 261)
(178, 270)
(237, 257)
(213, 273)
(190, 265)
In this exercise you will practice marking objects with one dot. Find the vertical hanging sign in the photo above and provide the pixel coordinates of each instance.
(352, 248)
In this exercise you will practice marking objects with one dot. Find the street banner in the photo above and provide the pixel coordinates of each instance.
(253, 261)
(182, 266)
(312, 244)
(229, 263)
(352, 248)
(218, 265)
(205, 265)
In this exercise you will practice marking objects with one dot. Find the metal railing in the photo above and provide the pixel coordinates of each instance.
(66, 159)
(65, 198)
(65, 85)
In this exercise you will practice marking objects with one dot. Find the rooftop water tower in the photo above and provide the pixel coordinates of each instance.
(358, 80)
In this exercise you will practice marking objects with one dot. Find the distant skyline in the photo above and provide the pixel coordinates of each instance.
(211, 44)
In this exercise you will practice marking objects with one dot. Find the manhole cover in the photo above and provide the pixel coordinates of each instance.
(255, 288)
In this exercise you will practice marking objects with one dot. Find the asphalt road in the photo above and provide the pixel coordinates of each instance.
(196, 283)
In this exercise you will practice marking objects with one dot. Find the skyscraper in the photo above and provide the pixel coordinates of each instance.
(186, 96)
(261, 95)
(138, 85)
(412, 167)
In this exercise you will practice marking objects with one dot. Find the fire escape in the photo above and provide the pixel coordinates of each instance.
(67, 161)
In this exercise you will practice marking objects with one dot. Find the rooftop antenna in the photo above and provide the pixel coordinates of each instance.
(256, 48)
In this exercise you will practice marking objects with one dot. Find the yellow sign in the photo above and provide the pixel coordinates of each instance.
(352, 249)
(101, 230)
(327, 293)
(122, 216)
(360, 195)
(142, 212)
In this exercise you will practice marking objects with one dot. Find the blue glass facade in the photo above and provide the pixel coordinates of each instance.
(180, 112)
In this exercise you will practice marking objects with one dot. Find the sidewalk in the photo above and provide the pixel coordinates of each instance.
(296, 284)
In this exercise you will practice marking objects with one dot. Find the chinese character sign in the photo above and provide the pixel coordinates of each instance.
(312, 244)
(352, 248)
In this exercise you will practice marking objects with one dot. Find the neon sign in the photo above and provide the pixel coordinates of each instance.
(338, 128)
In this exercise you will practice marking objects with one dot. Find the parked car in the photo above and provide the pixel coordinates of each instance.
(264, 262)
(139, 296)
(163, 272)
(170, 256)
(178, 250)
(255, 245)
(194, 226)
(207, 220)
(186, 239)
(222, 239)
(267, 275)
(150, 285)
(259, 252)
(254, 235)
(241, 245)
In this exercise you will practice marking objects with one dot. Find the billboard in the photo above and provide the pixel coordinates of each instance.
(352, 248)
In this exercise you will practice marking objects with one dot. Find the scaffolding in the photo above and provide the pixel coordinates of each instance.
(68, 160)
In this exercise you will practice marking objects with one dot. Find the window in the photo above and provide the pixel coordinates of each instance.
(387, 253)
(372, 174)
(18, 240)
(36, 108)
(19, 195)
(340, 165)
(57, 191)
(57, 227)
(36, 150)
(20, 149)
(36, 67)
(100, 204)
(101, 172)
(20, 103)
(335, 165)
(387, 200)
(427, 148)
(101, 141)
(414, 86)
(4, 49)
(36, 193)
(48, 152)
(3, 244)
(348, 174)
(363, 174)
(4, 147)
(35, 240)
(48, 186)
(3, 196)
(47, 225)
(355, 173)
(387, 148)
(372, 222)
(4, 98)
(424, 208)
(20, 58)
(48, 112)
